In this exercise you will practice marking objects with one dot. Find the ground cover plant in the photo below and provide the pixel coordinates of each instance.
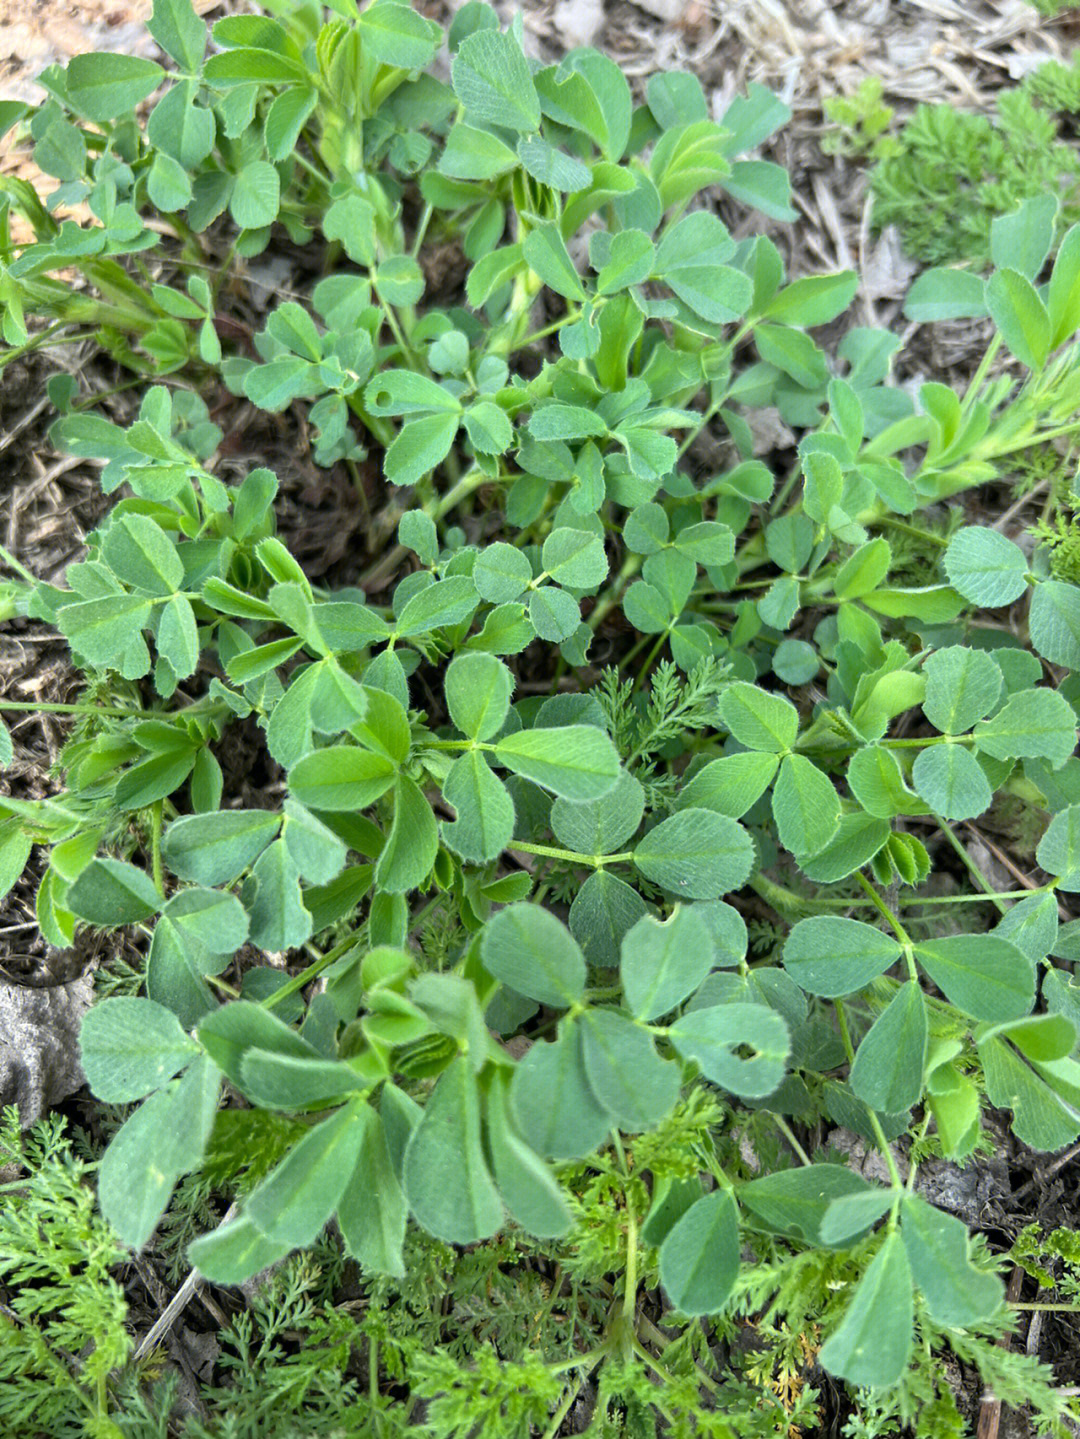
(612, 852)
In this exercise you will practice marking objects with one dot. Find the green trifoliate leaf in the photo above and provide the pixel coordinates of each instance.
(1032, 925)
(578, 762)
(696, 854)
(1032, 724)
(986, 567)
(319, 855)
(1053, 622)
(372, 1212)
(795, 1201)
(256, 196)
(951, 781)
(545, 250)
(130, 1047)
(730, 785)
(574, 558)
(805, 805)
(962, 685)
(294, 1201)
(447, 602)
(1020, 315)
(528, 949)
(553, 614)
(501, 573)
(631, 1081)
(831, 956)
(103, 86)
(179, 32)
(888, 1068)
(279, 920)
(982, 974)
(717, 1038)
(876, 782)
(759, 720)
(213, 919)
(110, 892)
(553, 1101)
(1063, 298)
(661, 964)
(478, 689)
(937, 1248)
(527, 1186)
(341, 778)
(604, 910)
(485, 812)
(1041, 1119)
(699, 1259)
(690, 259)
(1059, 848)
(412, 844)
(404, 392)
(492, 80)
(814, 300)
(420, 446)
(213, 849)
(234, 1252)
(600, 826)
(873, 1343)
(446, 1178)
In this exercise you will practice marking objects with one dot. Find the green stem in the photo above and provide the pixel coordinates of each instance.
(882, 908)
(16, 565)
(155, 848)
(87, 709)
(546, 851)
(972, 868)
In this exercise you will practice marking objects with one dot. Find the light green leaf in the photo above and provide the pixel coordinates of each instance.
(982, 974)
(256, 195)
(341, 778)
(213, 849)
(696, 854)
(888, 1068)
(873, 1343)
(372, 1212)
(553, 1101)
(986, 567)
(1020, 315)
(130, 1047)
(631, 1081)
(730, 785)
(492, 80)
(179, 32)
(478, 689)
(757, 719)
(234, 1252)
(699, 1259)
(717, 1038)
(110, 892)
(528, 949)
(412, 844)
(104, 85)
(805, 806)
(937, 1248)
(279, 920)
(1059, 848)
(661, 964)
(574, 558)
(578, 762)
(446, 1178)
(951, 781)
(1032, 724)
(832, 956)
(294, 1201)
(1053, 622)
(485, 812)
(527, 1186)
(604, 910)
(962, 685)
(545, 250)
(420, 446)
(1063, 298)
(795, 1201)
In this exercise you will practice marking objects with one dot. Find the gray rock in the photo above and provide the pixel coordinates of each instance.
(39, 1044)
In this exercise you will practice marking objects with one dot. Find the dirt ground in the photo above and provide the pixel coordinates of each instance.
(923, 50)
